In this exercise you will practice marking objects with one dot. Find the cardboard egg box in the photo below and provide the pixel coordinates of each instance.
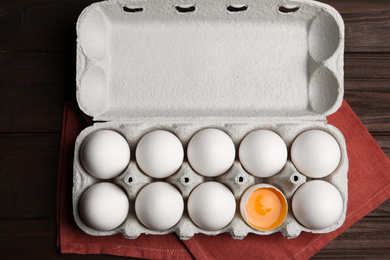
(184, 66)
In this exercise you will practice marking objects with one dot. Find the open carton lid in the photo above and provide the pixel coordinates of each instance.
(202, 59)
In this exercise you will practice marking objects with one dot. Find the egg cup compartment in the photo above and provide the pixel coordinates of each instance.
(132, 180)
(144, 65)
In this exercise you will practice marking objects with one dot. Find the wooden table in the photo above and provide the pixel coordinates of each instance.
(37, 75)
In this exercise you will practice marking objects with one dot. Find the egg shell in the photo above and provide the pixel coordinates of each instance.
(104, 206)
(263, 153)
(159, 154)
(317, 204)
(159, 206)
(211, 152)
(315, 153)
(211, 206)
(105, 154)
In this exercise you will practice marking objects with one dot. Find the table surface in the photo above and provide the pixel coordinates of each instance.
(37, 75)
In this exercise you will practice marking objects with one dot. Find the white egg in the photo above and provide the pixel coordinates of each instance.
(104, 206)
(315, 153)
(211, 152)
(263, 153)
(159, 206)
(105, 154)
(317, 204)
(159, 154)
(211, 206)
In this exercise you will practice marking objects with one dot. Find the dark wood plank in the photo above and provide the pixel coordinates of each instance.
(367, 27)
(383, 140)
(369, 99)
(28, 175)
(367, 88)
(50, 25)
(366, 84)
(382, 211)
(355, 6)
(368, 237)
(367, 65)
(372, 108)
(34, 239)
(34, 87)
(28, 190)
(34, 84)
(40, 24)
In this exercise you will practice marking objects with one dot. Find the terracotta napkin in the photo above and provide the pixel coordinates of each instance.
(368, 187)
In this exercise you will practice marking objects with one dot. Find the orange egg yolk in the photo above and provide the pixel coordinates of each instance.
(266, 209)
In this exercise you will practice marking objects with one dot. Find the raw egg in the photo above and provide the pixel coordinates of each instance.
(263, 153)
(211, 206)
(159, 154)
(211, 152)
(315, 153)
(105, 154)
(263, 207)
(104, 206)
(317, 204)
(159, 206)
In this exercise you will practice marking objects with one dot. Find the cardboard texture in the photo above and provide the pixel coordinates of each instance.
(147, 65)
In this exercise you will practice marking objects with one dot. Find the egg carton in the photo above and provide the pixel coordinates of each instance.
(184, 66)
(186, 179)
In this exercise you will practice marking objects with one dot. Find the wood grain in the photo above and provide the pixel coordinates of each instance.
(36, 234)
(367, 65)
(382, 211)
(40, 24)
(370, 237)
(28, 175)
(383, 140)
(368, 107)
(34, 239)
(367, 24)
(37, 75)
(38, 83)
(35, 86)
(50, 25)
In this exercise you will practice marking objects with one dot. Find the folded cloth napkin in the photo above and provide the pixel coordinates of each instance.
(368, 187)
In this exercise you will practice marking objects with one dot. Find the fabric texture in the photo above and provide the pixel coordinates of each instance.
(368, 165)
